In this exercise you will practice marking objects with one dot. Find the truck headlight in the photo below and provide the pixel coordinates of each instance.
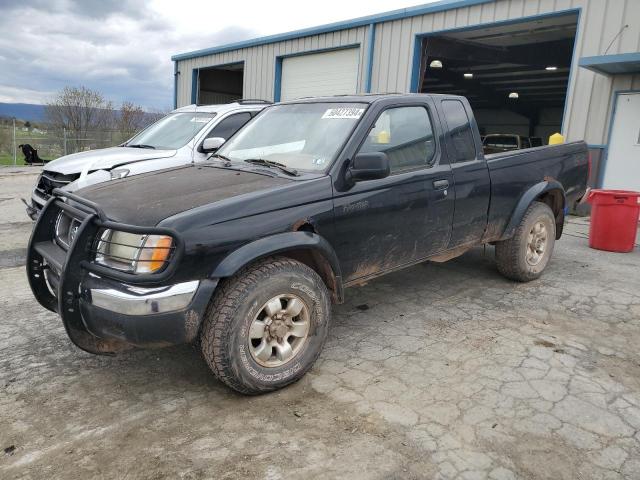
(132, 252)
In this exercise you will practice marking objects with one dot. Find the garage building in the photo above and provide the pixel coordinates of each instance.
(528, 67)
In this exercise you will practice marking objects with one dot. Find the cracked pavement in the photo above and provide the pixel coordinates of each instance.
(439, 371)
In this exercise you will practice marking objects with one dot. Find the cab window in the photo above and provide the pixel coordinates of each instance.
(229, 125)
(405, 134)
(464, 148)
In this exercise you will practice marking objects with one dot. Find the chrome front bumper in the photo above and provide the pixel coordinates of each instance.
(144, 316)
(132, 300)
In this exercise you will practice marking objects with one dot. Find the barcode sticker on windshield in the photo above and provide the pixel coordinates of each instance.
(343, 112)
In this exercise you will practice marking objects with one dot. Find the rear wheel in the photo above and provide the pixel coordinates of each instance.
(266, 326)
(524, 256)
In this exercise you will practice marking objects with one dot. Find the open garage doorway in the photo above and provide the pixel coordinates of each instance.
(515, 75)
(220, 84)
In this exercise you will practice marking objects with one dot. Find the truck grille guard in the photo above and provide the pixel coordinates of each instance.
(66, 269)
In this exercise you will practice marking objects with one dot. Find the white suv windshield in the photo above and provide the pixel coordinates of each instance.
(301, 136)
(172, 131)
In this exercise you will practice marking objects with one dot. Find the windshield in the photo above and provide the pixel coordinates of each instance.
(172, 131)
(302, 136)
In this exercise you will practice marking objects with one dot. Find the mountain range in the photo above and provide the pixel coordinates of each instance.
(22, 111)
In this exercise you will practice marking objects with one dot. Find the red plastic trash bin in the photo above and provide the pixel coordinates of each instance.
(614, 219)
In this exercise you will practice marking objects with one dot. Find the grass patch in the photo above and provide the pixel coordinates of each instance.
(6, 159)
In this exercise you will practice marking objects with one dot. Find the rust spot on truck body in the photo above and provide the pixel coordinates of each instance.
(304, 224)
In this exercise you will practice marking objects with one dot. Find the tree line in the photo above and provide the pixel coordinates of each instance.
(79, 113)
(77, 119)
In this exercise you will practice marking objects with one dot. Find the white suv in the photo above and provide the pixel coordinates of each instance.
(176, 139)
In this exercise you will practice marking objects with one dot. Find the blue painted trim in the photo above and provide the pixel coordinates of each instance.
(175, 85)
(572, 70)
(605, 155)
(277, 81)
(594, 146)
(194, 85)
(609, 59)
(414, 86)
(434, 7)
(417, 50)
(371, 42)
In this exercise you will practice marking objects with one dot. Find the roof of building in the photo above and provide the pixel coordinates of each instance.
(434, 7)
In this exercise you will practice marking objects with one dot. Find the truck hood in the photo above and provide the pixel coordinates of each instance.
(147, 199)
(104, 159)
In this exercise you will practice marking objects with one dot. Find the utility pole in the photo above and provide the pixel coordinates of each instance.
(64, 135)
(15, 148)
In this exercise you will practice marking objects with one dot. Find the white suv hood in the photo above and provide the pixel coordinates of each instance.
(104, 159)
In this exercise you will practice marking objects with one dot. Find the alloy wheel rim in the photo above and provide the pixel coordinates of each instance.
(279, 331)
(537, 243)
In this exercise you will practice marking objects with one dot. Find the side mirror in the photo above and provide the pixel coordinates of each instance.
(368, 166)
(211, 144)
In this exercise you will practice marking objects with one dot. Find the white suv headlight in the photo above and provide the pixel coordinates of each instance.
(133, 252)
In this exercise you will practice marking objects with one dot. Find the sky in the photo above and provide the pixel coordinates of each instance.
(123, 48)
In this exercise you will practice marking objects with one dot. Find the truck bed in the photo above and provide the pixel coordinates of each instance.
(513, 173)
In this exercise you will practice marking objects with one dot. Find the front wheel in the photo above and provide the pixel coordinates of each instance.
(266, 326)
(524, 256)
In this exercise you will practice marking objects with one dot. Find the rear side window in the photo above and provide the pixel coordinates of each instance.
(405, 134)
(460, 130)
(230, 125)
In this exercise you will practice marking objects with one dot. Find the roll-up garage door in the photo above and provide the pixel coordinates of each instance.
(316, 74)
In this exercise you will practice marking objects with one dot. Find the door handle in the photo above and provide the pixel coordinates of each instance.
(440, 184)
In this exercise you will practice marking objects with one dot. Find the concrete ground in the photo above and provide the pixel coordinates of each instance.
(15, 226)
(439, 371)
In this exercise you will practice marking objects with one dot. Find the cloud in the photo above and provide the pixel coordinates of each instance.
(123, 48)
(88, 8)
(120, 48)
(9, 94)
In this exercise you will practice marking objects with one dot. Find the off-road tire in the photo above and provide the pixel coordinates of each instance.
(511, 254)
(225, 331)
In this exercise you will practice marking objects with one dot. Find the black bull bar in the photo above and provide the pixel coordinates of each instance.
(45, 257)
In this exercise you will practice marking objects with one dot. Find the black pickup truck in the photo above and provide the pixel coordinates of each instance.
(246, 252)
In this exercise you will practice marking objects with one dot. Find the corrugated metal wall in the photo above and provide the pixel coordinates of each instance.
(260, 61)
(590, 94)
(589, 101)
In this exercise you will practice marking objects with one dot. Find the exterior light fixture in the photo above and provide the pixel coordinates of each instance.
(435, 64)
(514, 95)
(551, 68)
(468, 75)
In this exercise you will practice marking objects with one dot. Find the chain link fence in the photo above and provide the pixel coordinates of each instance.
(53, 143)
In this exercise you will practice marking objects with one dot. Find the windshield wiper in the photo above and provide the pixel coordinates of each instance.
(221, 157)
(140, 145)
(271, 163)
